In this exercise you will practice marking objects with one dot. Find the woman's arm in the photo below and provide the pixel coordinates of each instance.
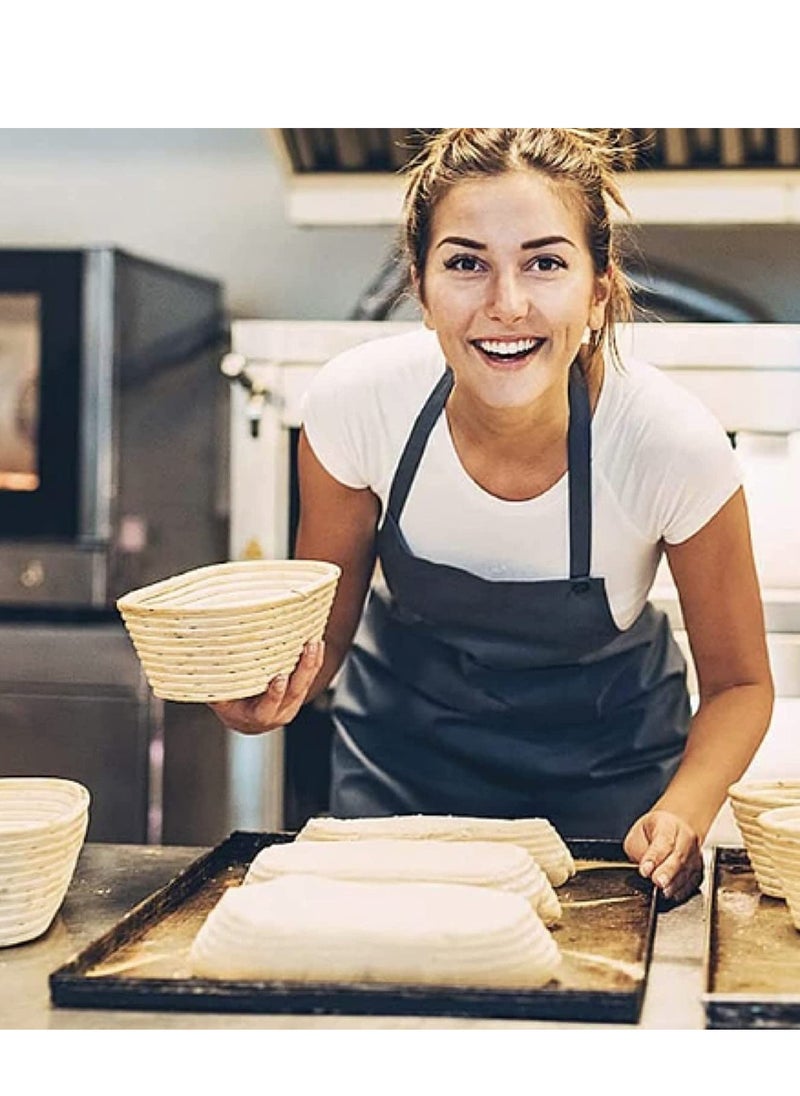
(337, 524)
(719, 595)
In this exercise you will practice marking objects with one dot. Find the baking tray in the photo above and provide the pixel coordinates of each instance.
(606, 938)
(752, 951)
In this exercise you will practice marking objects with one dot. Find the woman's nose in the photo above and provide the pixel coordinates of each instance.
(507, 300)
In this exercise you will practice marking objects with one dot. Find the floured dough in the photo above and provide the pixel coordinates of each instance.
(537, 835)
(476, 863)
(315, 929)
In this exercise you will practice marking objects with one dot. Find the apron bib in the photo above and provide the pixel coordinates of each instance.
(464, 695)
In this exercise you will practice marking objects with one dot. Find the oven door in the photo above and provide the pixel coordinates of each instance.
(40, 391)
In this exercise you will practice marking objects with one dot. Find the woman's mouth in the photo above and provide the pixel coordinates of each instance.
(508, 352)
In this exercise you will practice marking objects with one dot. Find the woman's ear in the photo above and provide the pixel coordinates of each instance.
(600, 299)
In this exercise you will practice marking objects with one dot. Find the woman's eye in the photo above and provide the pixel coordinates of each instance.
(547, 264)
(466, 264)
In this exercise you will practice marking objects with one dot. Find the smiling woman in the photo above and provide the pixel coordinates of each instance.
(519, 484)
(510, 289)
(578, 167)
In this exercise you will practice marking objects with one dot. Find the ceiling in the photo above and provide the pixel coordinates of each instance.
(385, 151)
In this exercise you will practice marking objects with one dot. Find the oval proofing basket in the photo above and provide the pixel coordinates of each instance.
(43, 823)
(781, 828)
(749, 800)
(224, 631)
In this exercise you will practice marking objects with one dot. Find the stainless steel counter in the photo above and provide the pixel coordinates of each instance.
(110, 879)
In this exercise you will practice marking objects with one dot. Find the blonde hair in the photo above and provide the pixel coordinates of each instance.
(583, 161)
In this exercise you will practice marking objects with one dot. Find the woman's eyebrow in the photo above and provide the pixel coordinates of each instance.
(462, 241)
(527, 245)
(546, 241)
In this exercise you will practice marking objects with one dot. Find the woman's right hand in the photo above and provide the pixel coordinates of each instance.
(280, 703)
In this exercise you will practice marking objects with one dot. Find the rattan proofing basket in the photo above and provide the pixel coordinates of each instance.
(781, 829)
(224, 631)
(43, 822)
(749, 800)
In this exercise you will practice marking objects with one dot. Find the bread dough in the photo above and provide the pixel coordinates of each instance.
(315, 929)
(537, 835)
(475, 863)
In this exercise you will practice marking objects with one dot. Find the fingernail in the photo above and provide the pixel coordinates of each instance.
(280, 682)
(661, 881)
(646, 867)
(312, 649)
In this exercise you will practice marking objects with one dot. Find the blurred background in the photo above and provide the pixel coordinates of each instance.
(296, 223)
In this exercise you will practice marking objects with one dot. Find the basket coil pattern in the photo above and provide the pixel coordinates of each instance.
(224, 631)
(43, 822)
(749, 800)
(781, 829)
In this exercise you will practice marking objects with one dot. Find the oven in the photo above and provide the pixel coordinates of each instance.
(40, 329)
(113, 457)
(107, 373)
(748, 375)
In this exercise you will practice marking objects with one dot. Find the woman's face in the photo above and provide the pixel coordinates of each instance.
(509, 286)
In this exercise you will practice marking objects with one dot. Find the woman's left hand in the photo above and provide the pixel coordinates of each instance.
(668, 851)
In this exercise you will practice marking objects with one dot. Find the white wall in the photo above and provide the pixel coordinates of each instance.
(209, 200)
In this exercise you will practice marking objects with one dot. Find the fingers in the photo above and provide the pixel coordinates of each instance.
(668, 852)
(674, 871)
(636, 842)
(686, 881)
(657, 858)
(281, 701)
(240, 715)
(295, 689)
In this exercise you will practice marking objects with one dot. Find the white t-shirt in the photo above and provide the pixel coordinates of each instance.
(662, 466)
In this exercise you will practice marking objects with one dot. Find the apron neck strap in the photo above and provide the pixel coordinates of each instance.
(579, 455)
(415, 445)
(579, 474)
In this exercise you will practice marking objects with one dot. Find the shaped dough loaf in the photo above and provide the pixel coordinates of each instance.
(537, 835)
(475, 863)
(314, 929)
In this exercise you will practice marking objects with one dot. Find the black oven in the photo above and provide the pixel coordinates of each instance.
(41, 296)
(111, 422)
(113, 473)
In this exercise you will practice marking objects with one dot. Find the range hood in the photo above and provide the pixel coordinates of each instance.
(352, 176)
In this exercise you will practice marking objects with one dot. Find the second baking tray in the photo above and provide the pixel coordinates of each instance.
(605, 937)
(752, 951)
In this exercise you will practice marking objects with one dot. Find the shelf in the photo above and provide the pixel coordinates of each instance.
(715, 197)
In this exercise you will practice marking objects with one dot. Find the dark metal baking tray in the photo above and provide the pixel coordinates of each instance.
(606, 938)
(752, 951)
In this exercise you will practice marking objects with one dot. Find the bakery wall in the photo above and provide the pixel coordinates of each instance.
(209, 201)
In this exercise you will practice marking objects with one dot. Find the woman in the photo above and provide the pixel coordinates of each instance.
(518, 484)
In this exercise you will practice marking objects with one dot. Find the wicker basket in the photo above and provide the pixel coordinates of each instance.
(224, 631)
(749, 800)
(43, 823)
(781, 829)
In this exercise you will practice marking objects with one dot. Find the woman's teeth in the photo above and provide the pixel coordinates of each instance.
(506, 351)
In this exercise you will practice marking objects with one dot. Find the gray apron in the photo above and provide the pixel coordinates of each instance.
(463, 695)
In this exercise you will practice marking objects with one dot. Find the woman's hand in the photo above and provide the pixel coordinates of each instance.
(668, 851)
(280, 703)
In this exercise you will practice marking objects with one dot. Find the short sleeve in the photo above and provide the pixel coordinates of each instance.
(332, 416)
(361, 404)
(701, 472)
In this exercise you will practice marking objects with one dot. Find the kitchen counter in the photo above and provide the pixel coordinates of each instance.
(110, 879)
